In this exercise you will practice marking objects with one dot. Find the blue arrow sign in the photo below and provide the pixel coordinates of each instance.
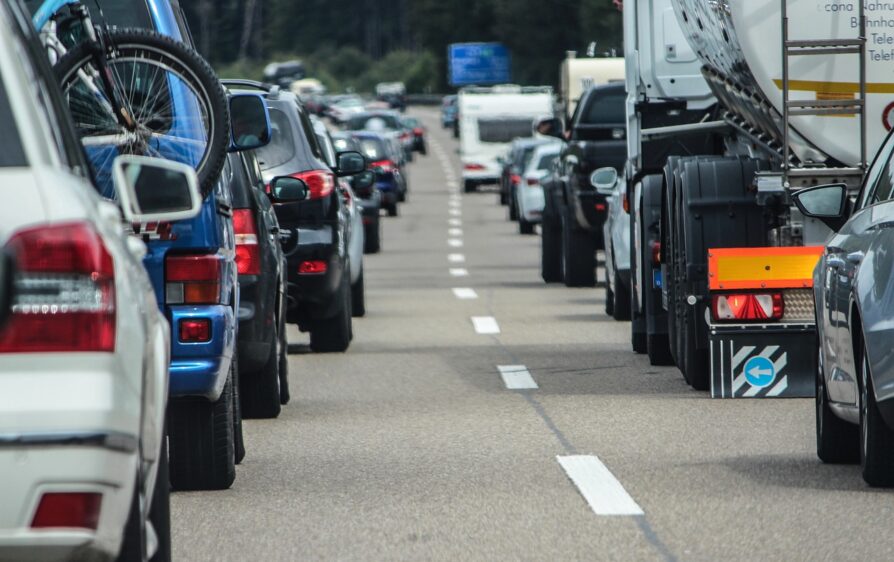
(760, 371)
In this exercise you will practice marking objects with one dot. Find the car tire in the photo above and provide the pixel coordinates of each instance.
(621, 309)
(609, 301)
(333, 335)
(525, 227)
(260, 392)
(358, 297)
(504, 198)
(876, 438)
(133, 543)
(578, 256)
(202, 443)
(284, 392)
(402, 196)
(658, 349)
(392, 210)
(513, 207)
(837, 441)
(160, 506)
(469, 186)
(550, 250)
(372, 241)
(238, 441)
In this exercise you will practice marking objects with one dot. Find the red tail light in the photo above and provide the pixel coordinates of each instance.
(656, 253)
(313, 267)
(532, 181)
(418, 131)
(65, 289)
(193, 279)
(386, 165)
(248, 253)
(473, 167)
(599, 206)
(195, 330)
(515, 179)
(747, 307)
(73, 510)
(320, 183)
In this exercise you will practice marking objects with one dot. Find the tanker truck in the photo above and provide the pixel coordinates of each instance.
(733, 106)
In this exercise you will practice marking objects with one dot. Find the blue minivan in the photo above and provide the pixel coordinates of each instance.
(192, 266)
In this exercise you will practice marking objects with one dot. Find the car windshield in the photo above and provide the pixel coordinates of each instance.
(282, 144)
(374, 122)
(373, 149)
(11, 151)
(503, 129)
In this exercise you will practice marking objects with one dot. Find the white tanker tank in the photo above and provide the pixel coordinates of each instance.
(740, 44)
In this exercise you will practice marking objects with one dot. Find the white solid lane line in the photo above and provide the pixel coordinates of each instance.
(456, 258)
(596, 483)
(465, 293)
(455, 231)
(454, 243)
(517, 377)
(459, 272)
(485, 325)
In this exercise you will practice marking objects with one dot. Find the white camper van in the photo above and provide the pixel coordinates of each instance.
(580, 74)
(489, 119)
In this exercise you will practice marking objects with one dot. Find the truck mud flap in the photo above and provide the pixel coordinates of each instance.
(772, 361)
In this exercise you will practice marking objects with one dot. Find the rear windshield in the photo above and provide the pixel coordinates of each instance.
(11, 151)
(503, 129)
(605, 110)
(282, 144)
(373, 149)
(117, 13)
(341, 144)
(376, 122)
(546, 162)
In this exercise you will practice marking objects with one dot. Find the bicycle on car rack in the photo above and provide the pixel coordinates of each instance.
(134, 91)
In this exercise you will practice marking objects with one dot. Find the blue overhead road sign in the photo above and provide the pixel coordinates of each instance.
(478, 63)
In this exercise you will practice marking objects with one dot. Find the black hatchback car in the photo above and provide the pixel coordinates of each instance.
(263, 359)
(314, 232)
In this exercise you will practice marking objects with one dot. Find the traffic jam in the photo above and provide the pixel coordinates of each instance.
(374, 302)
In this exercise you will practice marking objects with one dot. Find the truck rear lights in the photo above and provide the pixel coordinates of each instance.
(248, 253)
(472, 167)
(747, 307)
(65, 292)
(313, 267)
(655, 248)
(195, 330)
(68, 510)
(320, 183)
(193, 279)
(384, 165)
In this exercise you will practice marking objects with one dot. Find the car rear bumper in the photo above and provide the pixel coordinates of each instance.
(200, 369)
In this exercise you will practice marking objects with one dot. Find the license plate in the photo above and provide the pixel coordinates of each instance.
(656, 279)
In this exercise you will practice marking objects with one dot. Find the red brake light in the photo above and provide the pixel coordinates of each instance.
(532, 181)
(195, 330)
(320, 183)
(193, 279)
(599, 206)
(748, 307)
(65, 292)
(386, 165)
(473, 167)
(313, 267)
(79, 510)
(248, 253)
(418, 131)
(515, 179)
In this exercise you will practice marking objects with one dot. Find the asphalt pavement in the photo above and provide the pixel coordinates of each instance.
(481, 414)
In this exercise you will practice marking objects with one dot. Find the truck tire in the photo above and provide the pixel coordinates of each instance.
(259, 392)
(837, 441)
(202, 443)
(578, 256)
(333, 335)
(876, 438)
(649, 318)
(715, 210)
(550, 249)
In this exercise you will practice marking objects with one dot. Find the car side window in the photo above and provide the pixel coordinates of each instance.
(880, 180)
(310, 135)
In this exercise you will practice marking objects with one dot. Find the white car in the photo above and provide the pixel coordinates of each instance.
(343, 109)
(616, 233)
(84, 354)
(529, 200)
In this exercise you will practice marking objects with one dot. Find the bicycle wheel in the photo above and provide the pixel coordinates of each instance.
(176, 105)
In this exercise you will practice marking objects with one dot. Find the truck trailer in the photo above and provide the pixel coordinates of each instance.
(733, 106)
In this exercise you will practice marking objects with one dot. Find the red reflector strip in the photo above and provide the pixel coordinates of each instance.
(78, 510)
(313, 267)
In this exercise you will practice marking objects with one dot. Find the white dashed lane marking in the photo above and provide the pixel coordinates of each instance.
(517, 377)
(455, 212)
(456, 258)
(459, 272)
(485, 325)
(455, 231)
(454, 243)
(455, 222)
(465, 293)
(599, 487)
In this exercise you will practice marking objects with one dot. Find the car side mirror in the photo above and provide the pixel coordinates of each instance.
(827, 203)
(350, 163)
(604, 180)
(286, 189)
(550, 127)
(155, 190)
(249, 122)
(363, 180)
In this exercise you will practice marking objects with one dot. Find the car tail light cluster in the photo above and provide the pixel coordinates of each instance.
(193, 279)
(248, 253)
(313, 267)
(320, 183)
(65, 292)
(515, 179)
(532, 181)
(386, 165)
(69, 510)
(747, 307)
(473, 167)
